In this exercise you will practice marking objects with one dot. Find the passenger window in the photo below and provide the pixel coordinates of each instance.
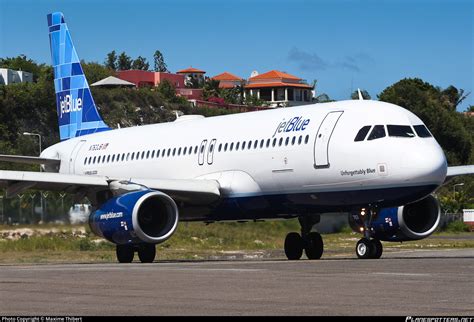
(169, 152)
(85, 160)
(422, 131)
(108, 158)
(268, 143)
(274, 142)
(243, 145)
(362, 133)
(280, 142)
(225, 147)
(153, 154)
(377, 132)
(287, 141)
(300, 139)
(262, 142)
(403, 131)
(255, 144)
(174, 151)
(306, 139)
(148, 154)
(196, 149)
(113, 157)
(163, 152)
(220, 147)
(179, 151)
(237, 146)
(184, 150)
(293, 140)
(231, 146)
(133, 156)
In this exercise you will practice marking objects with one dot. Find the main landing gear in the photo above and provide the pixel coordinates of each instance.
(309, 241)
(146, 253)
(366, 247)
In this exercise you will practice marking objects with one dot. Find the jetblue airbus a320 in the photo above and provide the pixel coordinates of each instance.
(376, 161)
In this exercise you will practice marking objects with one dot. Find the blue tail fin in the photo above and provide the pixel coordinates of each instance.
(77, 112)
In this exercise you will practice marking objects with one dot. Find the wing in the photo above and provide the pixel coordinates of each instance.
(193, 191)
(458, 171)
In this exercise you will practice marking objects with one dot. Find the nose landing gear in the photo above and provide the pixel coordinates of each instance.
(367, 247)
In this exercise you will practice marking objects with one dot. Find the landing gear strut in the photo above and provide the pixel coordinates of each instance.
(125, 253)
(367, 247)
(309, 241)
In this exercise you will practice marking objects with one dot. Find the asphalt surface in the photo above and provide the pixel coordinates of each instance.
(402, 283)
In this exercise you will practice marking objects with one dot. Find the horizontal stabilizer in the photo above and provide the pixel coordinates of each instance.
(29, 160)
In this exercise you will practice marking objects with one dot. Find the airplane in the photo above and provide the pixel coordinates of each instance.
(374, 160)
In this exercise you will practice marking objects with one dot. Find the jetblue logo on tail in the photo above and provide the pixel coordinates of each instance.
(68, 105)
(77, 113)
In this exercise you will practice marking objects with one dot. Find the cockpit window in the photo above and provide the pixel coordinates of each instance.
(362, 133)
(403, 131)
(422, 131)
(377, 132)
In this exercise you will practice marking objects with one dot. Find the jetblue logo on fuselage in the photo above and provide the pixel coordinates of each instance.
(294, 124)
(67, 105)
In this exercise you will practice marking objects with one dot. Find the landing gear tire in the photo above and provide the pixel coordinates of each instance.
(293, 246)
(314, 246)
(378, 248)
(125, 253)
(365, 248)
(146, 253)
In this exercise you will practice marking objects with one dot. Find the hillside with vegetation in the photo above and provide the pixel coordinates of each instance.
(31, 107)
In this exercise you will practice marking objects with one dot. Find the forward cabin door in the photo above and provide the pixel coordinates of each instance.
(73, 162)
(321, 144)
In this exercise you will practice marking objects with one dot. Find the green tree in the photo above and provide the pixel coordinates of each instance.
(140, 63)
(211, 89)
(253, 100)
(111, 61)
(365, 95)
(124, 62)
(430, 104)
(453, 97)
(95, 72)
(160, 65)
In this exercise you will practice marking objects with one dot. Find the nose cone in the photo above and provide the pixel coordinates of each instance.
(427, 162)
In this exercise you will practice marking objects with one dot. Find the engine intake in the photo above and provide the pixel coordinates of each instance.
(136, 217)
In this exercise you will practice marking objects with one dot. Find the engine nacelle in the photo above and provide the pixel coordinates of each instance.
(413, 221)
(145, 216)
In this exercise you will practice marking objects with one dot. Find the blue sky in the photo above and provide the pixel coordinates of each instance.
(343, 44)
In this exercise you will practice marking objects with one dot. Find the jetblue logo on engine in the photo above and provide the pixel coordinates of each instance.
(294, 124)
(68, 104)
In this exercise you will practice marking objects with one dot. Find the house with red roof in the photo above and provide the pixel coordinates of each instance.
(279, 89)
(228, 80)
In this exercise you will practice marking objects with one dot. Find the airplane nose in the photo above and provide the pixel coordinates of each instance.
(428, 163)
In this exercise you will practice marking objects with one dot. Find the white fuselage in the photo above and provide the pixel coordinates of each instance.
(308, 150)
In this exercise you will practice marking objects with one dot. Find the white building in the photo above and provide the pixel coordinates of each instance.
(10, 76)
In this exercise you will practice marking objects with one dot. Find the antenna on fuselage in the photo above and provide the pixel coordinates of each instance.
(361, 98)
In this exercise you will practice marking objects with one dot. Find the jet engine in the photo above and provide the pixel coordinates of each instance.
(413, 221)
(144, 216)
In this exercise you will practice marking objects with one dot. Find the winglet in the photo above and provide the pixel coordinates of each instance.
(361, 98)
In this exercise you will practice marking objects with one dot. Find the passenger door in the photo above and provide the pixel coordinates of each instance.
(321, 144)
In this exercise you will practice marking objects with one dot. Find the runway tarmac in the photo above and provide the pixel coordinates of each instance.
(401, 283)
